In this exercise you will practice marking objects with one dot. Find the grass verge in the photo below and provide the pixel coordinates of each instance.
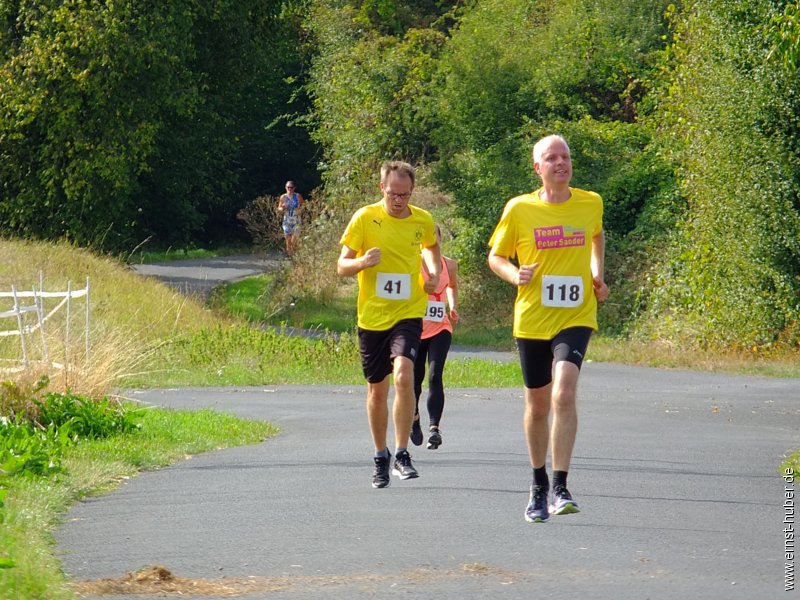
(34, 505)
(249, 299)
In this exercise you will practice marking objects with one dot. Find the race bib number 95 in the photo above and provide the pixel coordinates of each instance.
(393, 286)
(562, 291)
(436, 311)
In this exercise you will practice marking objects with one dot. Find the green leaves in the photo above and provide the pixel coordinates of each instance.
(127, 119)
(784, 33)
(34, 446)
(733, 277)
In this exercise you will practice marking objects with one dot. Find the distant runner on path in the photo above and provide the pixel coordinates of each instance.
(557, 235)
(290, 205)
(382, 245)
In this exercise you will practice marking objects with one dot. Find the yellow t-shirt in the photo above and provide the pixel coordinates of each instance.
(392, 290)
(558, 237)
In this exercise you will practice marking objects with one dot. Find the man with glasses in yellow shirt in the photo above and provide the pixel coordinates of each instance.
(382, 245)
(556, 234)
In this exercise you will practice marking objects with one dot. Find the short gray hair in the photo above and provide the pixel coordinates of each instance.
(539, 146)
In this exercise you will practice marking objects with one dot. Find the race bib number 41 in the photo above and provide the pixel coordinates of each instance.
(562, 291)
(393, 286)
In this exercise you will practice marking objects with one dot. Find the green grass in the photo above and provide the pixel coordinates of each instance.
(792, 463)
(34, 505)
(147, 335)
(244, 355)
(246, 299)
(252, 299)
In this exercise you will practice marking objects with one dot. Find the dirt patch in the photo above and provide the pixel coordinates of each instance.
(158, 580)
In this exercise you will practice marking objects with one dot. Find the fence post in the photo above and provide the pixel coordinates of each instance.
(66, 333)
(37, 304)
(87, 322)
(20, 325)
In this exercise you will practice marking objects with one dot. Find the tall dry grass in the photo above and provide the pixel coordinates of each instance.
(130, 317)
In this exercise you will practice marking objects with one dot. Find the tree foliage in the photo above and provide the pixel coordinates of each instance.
(124, 119)
(733, 276)
(371, 91)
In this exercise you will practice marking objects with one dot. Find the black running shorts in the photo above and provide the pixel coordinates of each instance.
(380, 348)
(537, 357)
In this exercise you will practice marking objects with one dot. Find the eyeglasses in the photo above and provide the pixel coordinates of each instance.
(289, 187)
(396, 196)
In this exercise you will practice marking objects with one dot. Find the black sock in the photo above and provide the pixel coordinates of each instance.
(540, 477)
(559, 479)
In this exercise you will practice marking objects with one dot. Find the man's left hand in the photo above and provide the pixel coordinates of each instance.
(600, 289)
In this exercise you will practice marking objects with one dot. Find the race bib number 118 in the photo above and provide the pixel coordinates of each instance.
(562, 291)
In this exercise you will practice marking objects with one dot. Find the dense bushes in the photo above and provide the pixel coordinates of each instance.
(124, 120)
(732, 275)
(683, 116)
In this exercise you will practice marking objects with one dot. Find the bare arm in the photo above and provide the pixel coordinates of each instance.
(598, 266)
(452, 289)
(508, 271)
(432, 255)
(349, 264)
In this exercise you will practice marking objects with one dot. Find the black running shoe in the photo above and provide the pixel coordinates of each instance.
(416, 433)
(403, 467)
(434, 439)
(381, 478)
(536, 511)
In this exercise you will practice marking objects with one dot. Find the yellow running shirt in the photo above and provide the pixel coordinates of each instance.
(392, 290)
(559, 238)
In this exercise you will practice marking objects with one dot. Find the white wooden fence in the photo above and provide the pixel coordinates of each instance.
(28, 311)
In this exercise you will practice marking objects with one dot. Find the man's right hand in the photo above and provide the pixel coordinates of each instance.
(371, 257)
(525, 274)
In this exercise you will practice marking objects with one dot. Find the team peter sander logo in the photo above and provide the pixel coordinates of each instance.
(561, 236)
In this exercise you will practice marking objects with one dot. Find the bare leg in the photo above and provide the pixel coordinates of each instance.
(378, 412)
(403, 400)
(537, 410)
(565, 414)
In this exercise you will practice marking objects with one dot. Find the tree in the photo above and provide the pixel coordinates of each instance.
(732, 277)
(131, 119)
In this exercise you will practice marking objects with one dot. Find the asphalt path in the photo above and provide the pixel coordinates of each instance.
(200, 276)
(676, 472)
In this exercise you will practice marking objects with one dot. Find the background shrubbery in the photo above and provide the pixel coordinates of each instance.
(683, 116)
(130, 122)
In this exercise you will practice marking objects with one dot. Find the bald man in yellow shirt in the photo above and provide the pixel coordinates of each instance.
(556, 234)
(383, 245)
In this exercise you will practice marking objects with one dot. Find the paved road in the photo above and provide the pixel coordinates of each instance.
(200, 276)
(676, 473)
